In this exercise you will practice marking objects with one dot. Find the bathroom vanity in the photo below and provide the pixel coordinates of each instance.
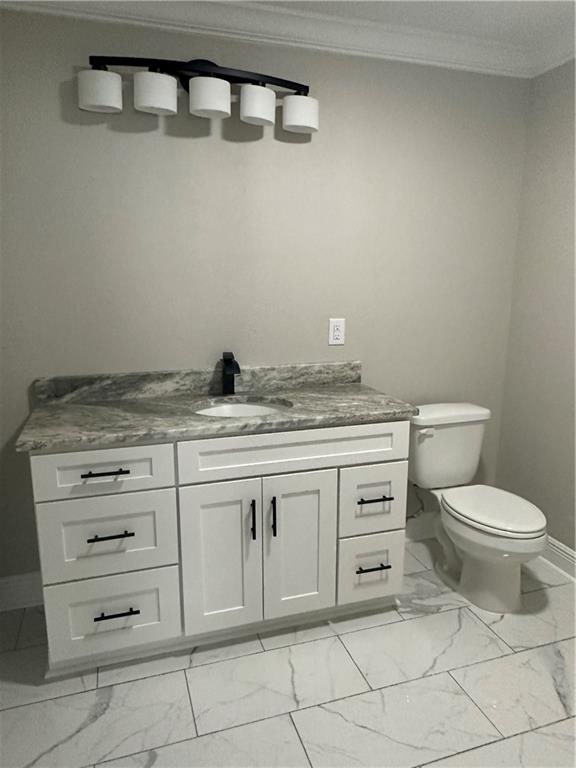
(160, 527)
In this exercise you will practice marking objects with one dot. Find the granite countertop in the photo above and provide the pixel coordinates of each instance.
(79, 413)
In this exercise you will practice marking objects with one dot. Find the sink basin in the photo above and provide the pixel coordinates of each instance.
(244, 406)
(232, 410)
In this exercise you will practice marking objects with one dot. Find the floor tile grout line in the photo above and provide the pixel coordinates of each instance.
(300, 739)
(478, 707)
(375, 626)
(353, 660)
(407, 549)
(190, 700)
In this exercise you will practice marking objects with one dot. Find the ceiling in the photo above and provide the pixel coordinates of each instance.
(519, 38)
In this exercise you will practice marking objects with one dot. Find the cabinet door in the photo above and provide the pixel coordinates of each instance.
(221, 548)
(299, 518)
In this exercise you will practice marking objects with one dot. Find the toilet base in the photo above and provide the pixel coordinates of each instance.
(493, 585)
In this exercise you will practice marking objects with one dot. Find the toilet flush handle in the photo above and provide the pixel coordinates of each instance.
(426, 432)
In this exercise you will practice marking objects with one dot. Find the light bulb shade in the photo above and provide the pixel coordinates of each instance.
(156, 93)
(300, 114)
(257, 105)
(209, 97)
(99, 90)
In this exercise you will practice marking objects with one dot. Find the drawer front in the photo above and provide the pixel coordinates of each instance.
(201, 461)
(373, 498)
(91, 473)
(112, 534)
(370, 552)
(99, 616)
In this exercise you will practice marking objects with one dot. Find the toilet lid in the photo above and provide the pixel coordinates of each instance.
(492, 509)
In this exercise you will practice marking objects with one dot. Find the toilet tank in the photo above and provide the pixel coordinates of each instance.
(445, 444)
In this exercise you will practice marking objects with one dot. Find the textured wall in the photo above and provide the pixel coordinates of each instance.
(132, 243)
(537, 449)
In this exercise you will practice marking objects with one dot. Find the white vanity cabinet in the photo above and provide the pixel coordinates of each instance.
(150, 548)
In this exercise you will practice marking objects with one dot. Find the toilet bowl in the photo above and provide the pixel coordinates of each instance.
(494, 532)
(486, 533)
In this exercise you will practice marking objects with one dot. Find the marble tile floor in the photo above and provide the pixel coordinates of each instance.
(433, 682)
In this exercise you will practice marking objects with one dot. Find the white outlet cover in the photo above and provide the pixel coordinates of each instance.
(337, 331)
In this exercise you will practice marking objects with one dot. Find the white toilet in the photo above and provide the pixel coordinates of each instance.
(485, 533)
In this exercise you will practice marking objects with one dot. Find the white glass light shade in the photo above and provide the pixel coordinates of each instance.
(209, 97)
(99, 90)
(257, 105)
(156, 93)
(300, 114)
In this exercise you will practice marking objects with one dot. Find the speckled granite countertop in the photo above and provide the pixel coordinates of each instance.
(126, 409)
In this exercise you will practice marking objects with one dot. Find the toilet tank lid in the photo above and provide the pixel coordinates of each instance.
(449, 413)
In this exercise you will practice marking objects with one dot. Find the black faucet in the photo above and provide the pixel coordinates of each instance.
(230, 368)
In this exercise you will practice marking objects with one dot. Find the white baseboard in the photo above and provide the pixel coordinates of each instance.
(561, 556)
(21, 591)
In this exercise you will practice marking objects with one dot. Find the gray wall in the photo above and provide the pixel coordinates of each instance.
(537, 442)
(131, 243)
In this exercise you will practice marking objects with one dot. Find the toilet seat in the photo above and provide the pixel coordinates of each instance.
(495, 511)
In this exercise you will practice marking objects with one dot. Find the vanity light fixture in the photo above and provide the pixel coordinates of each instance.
(208, 84)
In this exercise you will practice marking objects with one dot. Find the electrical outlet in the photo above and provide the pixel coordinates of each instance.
(337, 330)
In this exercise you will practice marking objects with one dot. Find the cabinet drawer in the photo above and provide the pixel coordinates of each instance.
(225, 458)
(98, 616)
(373, 498)
(90, 473)
(111, 534)
(364, 553)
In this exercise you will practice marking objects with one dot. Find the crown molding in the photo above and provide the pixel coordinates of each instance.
(259, 22)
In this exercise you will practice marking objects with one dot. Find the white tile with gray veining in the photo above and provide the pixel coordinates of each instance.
(90, 727)
(549, 747)
(546, 615)
(540, 574)
(272, 743)
(309, 396)
(424, 594)
(406, 725)
(424, 646)
(22, 679)
(271, 683)
(427, 552)
(160, 665)
(525, 690)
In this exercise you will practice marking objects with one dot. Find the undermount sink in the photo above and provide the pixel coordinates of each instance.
(231, 410)
(254, 407)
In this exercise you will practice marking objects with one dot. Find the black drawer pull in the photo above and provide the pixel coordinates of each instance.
(375, 501)
(131, 612)
(253, 526)
(114, 473)
(95, 539)
(380, 567)
(274, 520)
